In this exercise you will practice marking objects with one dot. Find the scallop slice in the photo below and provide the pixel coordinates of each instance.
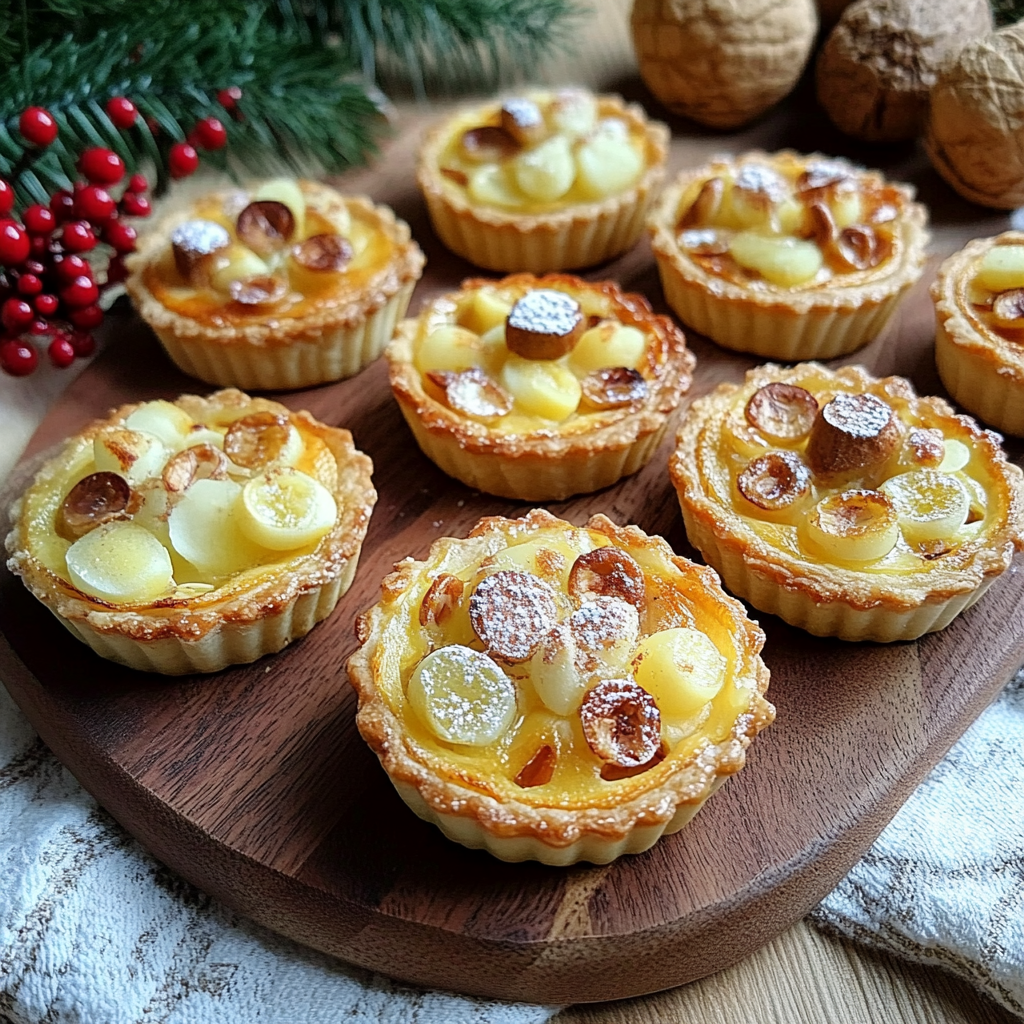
(680, 668)
(542, 388)
(607, 163)
(853, 526)
(135, 455)
(284, 509)
(165, 421)
(782, 260)
(930, 505)
(608, 344)
(119, 562)
(546, 172)
(205, 529)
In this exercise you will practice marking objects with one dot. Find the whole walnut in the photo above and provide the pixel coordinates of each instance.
(722, 62)
(879, 63)
(975, 128)
(830, 10)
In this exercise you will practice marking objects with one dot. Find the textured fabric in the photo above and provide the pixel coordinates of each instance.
(944, 883)
(94, 931)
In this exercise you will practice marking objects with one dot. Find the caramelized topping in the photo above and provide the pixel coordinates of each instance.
(607, 572)
(472, 392)
(440, 599)
(488, 145)
(259, 291)
(614, 387)
(544, 324)
(927, 447)
(761, 185)
(96, 499)
(323, 252)
(703, 242)
(821, 176)
(775, 481)
(612, 772)
(857, 248)
(621, 723)
(265, 226)
(523, 121)
(454, 174)
(822, 224)
(705, 206)
(539, 769)
(782, 412)
(256, 440)
(510, 612)
(1009, 306)
(200, 462)
(193, 244)
(852, 432)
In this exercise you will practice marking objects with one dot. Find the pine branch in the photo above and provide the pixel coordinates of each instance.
(1006, 12)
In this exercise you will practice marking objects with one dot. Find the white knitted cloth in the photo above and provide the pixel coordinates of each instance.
(94, 931)
(944, 883)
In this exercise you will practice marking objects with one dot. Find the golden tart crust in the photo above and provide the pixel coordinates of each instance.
(328, 335)
(981, 363)
(916, 587)
(827, 315)
(477, 798)
(246, 613)
(539, 459)
(552, 236)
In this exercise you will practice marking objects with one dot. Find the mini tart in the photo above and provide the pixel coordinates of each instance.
(787, 256)
(538, 760)
(592, 165)
(152, 545)
(846, 505)
(536, 435)
(979, 329)
(257, 307)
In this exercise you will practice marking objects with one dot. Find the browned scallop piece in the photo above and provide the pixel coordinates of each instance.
(821, 224)
(614, 387)
(194, 244)
(607, 572)
(327, 253)
(852, 432)
(96, 499)
(782, 412)
(511, 612)
(927, 447)
(703, 209)
(266, 226)
(472, 392)
(259, 291)
(256, 440)
(1009, 306)
(621, 723)
(488, 144)
(539, 769)
(612, 772)
(524, 121)
(856, 248)
(544, 324)
(821, 176)
(200, 462)
(775, 481)
(440, 599)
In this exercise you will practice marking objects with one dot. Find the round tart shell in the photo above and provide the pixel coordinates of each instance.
(330, 342)
(983, 371)
(550, 463)
(580, 235)
(638, 810)
(826, 599)
(254, 613)
(790, 324)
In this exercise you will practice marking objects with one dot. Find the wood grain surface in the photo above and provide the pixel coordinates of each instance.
(254, 785)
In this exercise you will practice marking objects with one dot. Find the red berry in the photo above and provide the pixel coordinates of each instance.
(120, 236)
(137, 183)
(82, 291)
(62, 205)
(37, 126)
(101, 166)
(78, 237)
(122, 111)
(70, 267)
(17, 358)
(16, 315)
(83, 343)
(14, 243)
(34, 267)
(39, 328)
(61, 351)
(86, 318)
(39, 219)
(94, 203)
(228, 98)
(182, 160)
(6, 197)
(116, 271)
(46, 304)
(29, 284)
(134, 205)
(210, 133)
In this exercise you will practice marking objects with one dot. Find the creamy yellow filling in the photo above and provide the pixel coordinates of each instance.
(995, 291)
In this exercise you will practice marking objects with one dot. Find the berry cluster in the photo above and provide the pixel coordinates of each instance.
(48, 290)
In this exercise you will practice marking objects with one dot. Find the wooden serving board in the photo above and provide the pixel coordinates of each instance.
(254, 784)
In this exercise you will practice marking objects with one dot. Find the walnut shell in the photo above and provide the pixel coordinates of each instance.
(875, 70)
(975, 129)
(720, 62)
